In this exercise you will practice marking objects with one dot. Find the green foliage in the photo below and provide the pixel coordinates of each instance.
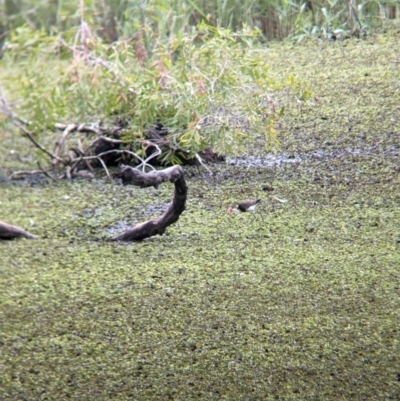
(124, 18)
(211, 87)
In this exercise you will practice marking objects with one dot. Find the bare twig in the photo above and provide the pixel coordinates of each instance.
(89, 166)
(114, 141)
(7, 110)
(83, 174)
(151, 157)
(80, 128)
(105, 168)
(200, 160)
(93, 128)
(46, 172)
(105, 139)
(71, 154)
(21, 124)
(29, 135)
(280, 200)
(59, 144)
(76, 163)
(68, 173)
(212, 81)
(118, 151)
(20, 173)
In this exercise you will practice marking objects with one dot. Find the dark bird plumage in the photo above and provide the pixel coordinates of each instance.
(246, 206)
(249, 205)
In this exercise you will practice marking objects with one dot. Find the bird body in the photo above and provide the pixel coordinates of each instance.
(247, 206)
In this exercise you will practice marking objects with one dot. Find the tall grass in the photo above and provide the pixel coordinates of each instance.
(123, 18)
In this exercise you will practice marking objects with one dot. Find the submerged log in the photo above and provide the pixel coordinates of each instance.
(156, 226)
(7, 231)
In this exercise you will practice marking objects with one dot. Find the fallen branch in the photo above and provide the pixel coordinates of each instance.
(156, 226)
(7, 232)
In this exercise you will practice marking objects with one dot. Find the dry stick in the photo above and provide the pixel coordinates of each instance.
(152, 156)
(79, 128)
(68, 173)
(59, 144)
(21, 124)
(19, 173)
(29, 135)
(105, 168)
(104, 138)
(99, 156)
(7, 110)
(94, 128)
(111, 140)
(71, 155)
(83, 174)
(353, 12)
(41, 170)
(46, 172)
(202, 163)
(83, 153)
(75, 164)
(109, 152)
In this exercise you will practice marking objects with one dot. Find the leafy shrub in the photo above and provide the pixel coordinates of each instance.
(210, 88)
